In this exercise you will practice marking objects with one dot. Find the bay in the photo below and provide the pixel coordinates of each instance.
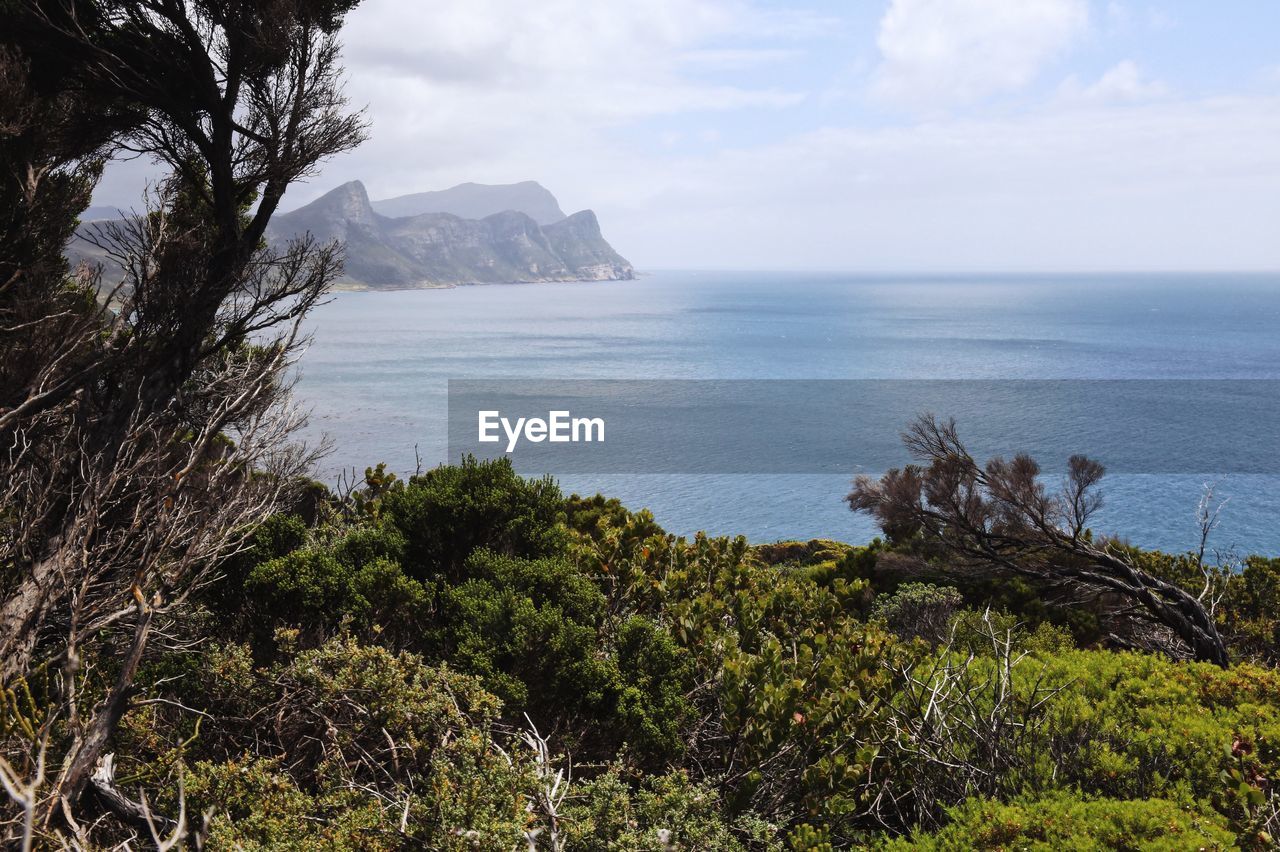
(376, 375)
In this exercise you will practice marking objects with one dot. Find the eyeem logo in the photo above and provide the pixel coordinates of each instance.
(559, 428)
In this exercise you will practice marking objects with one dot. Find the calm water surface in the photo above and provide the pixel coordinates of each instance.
(375, 376)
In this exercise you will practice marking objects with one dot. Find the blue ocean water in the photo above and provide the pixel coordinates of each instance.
(376, 375)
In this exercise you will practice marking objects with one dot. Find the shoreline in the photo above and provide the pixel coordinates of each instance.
(346, 287)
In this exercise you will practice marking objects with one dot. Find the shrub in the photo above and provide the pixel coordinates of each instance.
(1119, 725)
(276, 536)
(599, 516)
(802, 553)
(971, 632)
(255, 805)
(1250, 611)
(666, 812)
(316, 590)
(351, 746)
(713, 695)
(1139, 726)
(790, 680)
(1068, 821)
(360, 545)
(918, 611)
(655, 675)
(447, 513)
(529, 629)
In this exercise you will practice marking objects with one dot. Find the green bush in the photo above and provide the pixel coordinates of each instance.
(360, 545)
(1250, 610)
(1067, 821)
(1139, 726)
(802, 554)
(308, 588)
(599, 517)
(665, 812)
(1118, 725)
(447, 513)
(535, 631)
(918, 611)
(529, 628)
(275, 537)
(970, 632)
(1032, 603)
(321, 588)
(340, 743)
(255, 805)
(791, 680)
(709, 694)
(655, 676)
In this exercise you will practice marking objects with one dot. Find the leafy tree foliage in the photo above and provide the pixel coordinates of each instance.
(447, 513)
(147, 421)
(1250, 610)
(529, 628)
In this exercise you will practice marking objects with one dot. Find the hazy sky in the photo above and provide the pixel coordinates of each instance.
(857, 135)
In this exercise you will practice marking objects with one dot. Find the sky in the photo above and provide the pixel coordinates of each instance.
(865, 136)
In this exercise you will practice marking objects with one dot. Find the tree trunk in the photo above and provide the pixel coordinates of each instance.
(23, 612)
(88, 749)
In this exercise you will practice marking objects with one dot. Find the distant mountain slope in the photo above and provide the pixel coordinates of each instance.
(477, 201)
(97, 214)
(438, 249)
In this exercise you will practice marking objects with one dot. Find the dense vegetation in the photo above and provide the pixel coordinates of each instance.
(472, 660)
(200, 648)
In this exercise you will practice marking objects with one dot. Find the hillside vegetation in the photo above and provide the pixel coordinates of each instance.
(471, 660)
(200, 648)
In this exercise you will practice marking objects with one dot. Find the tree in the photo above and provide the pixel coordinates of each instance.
(145, 427)
(1000, 517)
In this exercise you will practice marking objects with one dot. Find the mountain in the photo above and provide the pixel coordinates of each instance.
(97, 214)
(433, 249)
(477, 201)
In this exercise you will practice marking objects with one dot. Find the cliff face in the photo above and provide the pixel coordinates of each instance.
(578, 242)
(440, 249)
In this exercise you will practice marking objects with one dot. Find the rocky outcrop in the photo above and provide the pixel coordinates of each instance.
(442, 249)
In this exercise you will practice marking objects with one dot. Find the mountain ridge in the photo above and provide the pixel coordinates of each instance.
(477, 201)
(440, 249)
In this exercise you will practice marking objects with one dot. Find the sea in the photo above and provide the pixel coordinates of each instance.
(377, 372)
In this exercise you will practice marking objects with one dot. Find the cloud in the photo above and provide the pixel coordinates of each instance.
(1124, 81)
(463, 89)
(528, 47)
(668, 119)
(1096, 186)
(735, 59)
(941, 53)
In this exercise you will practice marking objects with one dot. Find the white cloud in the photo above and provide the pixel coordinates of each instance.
(1124, 81)
(1160, 185)
(938, 53)
(735, 59)
(557, 44)
(622, 107)
(461, 89)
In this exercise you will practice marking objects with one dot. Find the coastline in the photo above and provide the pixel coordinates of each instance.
(347, 286)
